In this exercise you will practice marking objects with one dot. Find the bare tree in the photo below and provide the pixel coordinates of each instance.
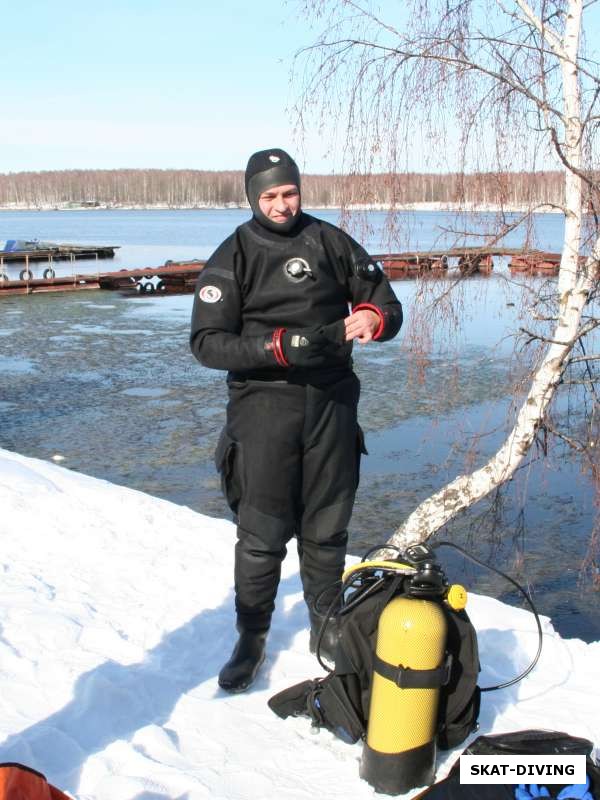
(189, 188)
(439, 75)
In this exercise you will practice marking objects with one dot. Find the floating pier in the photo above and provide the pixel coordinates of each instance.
(49, 252)
(173, 278)
(180, 277)
(535, 263)
(469, 261)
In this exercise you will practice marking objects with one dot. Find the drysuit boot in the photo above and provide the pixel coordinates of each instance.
(329, 639)
(242, 668)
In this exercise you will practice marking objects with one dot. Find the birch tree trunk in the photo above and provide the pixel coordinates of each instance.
(575, 282)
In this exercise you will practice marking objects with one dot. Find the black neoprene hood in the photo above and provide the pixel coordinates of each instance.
(268, 168)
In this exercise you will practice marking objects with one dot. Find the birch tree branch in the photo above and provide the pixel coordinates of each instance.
(543, 29)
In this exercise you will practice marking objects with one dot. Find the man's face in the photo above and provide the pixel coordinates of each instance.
(280, 202)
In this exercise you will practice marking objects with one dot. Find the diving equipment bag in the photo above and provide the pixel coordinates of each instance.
(340, 701)
(529, 742)
(19, 782)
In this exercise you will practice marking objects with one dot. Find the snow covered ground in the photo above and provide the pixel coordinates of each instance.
(116, 615)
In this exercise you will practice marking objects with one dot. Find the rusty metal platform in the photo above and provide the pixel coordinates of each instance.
(174, 277)
(180, 277)
(470, 261)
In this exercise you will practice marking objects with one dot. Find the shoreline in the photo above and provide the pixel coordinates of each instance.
(467, 208)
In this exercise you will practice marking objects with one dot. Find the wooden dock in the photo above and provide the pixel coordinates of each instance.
(180, 277)
(50, 253)
(173, 278)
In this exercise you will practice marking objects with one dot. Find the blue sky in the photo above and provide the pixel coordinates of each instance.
(195, 84)
(147, 83)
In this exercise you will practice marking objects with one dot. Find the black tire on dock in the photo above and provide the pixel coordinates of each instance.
(49, 273)
(148, 288)
(3, 277)
(25, 275)
(161, 286)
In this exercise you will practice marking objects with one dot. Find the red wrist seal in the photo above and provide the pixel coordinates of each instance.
(378, 311)
(277, 347)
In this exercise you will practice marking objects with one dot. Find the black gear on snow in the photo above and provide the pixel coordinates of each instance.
(340, 702)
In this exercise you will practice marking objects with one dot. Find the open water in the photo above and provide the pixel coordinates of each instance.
(107, 383)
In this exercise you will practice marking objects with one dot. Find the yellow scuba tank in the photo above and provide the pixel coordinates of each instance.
(409, 667)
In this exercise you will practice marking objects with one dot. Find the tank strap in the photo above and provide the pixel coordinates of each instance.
(407, 678)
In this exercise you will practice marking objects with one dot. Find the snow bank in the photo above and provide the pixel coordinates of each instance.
(116, 615)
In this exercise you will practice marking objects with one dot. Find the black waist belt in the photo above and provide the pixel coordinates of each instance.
(259, 375)
(318, 377)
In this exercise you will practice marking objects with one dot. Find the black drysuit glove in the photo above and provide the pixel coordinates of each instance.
(315, 347)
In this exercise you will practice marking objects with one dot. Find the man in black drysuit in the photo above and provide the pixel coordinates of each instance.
(271, 308)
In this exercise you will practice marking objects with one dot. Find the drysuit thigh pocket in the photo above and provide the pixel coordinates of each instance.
(228, 461)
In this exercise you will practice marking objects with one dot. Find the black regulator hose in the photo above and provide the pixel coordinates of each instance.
(337, 606)
(525, 595)
(377, 547)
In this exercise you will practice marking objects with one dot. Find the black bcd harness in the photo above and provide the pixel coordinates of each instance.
(339, 702)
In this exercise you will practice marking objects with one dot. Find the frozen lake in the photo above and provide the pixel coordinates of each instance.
(108, 383)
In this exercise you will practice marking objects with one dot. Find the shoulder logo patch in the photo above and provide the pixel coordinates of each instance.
(210, 294)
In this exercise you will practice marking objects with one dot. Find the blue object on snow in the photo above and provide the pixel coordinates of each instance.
(527, 791)
(578, 791)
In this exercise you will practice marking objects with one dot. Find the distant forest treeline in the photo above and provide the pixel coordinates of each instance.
(189, 188)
